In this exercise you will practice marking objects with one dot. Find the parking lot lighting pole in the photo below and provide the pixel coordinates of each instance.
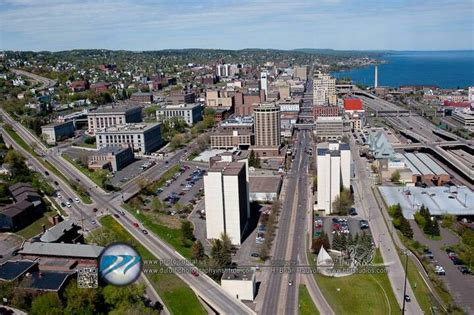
(405, 285)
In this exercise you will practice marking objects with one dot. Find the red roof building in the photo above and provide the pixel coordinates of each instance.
(457, 104)
(353, 104)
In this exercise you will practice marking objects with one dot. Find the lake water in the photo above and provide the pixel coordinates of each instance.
(446, 69)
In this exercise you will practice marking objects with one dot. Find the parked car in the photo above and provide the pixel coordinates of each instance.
(464, 270)
(144, 231)
(95, 209)
(353, 211)
(364, 224)
(135, 224)
(63, 204)
(255, 255)
(407, 298)
(76, 200)
(439, 270)
(116, 215)
(68, 204)
(56, 183)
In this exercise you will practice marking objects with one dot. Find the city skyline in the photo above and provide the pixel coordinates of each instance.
(154, 25)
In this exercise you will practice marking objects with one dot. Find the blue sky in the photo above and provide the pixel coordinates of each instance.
(234, 24)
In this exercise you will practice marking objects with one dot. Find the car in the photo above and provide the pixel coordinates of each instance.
(353, 211)
(93, 222)
(159, 190)
(363, 224)
(290, 283)
(135, 224)
(255, 255)
(407, 298)
(464, 270)
(15, 252)
(56, 183)
(144, 231)
(63, 204)
(70, 200)
(122, 213)
(59, 195)
(182, 193)
(68, 204)
(95, 209)
(46, 173)
(116, 215)
(76, 200)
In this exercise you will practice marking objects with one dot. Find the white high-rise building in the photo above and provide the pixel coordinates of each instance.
(334, 171)
(264, 82)
(471, 94)
(324, 90)
(226, 198)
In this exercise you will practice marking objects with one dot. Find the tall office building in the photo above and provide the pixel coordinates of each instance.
(471, 94)
(226, 199)
(264, 82)
(267, 129)
(301, 72)
(324, 90)
(334, 172)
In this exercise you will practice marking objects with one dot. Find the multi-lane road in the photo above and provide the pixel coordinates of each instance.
(204, 286)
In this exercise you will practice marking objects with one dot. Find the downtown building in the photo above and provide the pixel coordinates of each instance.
(226, 197)
(110, 116)
(143, 138)
(334, 171)
(324, 90)
(267, 118)
(190, 113)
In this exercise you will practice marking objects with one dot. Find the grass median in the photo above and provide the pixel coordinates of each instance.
(359, 293)
(305, 303)
(177, 296)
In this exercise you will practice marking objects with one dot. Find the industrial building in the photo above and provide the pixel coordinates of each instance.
(144, 137)
(110, 116)
(334, 171)
(226, 198)
(440, 200)
(425, 170)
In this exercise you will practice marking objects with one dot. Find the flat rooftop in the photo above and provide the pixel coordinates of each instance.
(440, 200)
(238, 275)
(61, 250)
(45, 280)
(180, 106)
(113, 110)
(227, 168)
(127, 128)
(11, 270)
(264, 184)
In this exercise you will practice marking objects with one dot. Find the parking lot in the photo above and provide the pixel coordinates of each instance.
(344, 225)
(184, 188)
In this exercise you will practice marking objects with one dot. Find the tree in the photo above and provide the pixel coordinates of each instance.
(395, 178)
(177, 141)
(321, 240)
(343, 202)
(187, 230)
(405, 228)
(47, 303)
(80, 300)
(221, 251)
(197, 250)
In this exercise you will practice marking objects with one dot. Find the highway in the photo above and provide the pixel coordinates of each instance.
(204, 286)
(46, 83)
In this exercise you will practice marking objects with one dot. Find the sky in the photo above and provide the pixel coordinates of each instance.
(235, 24)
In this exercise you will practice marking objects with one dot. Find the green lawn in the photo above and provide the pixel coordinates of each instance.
(36, 227)
(305, 303)
(176, 295)
(169, 235)
(359, 293)
(84, 170)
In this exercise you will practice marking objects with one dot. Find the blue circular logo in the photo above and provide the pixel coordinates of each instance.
(120, 264)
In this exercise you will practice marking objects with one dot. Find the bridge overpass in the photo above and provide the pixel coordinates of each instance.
(304, 126)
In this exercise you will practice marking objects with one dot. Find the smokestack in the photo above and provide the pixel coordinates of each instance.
(376, 79)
